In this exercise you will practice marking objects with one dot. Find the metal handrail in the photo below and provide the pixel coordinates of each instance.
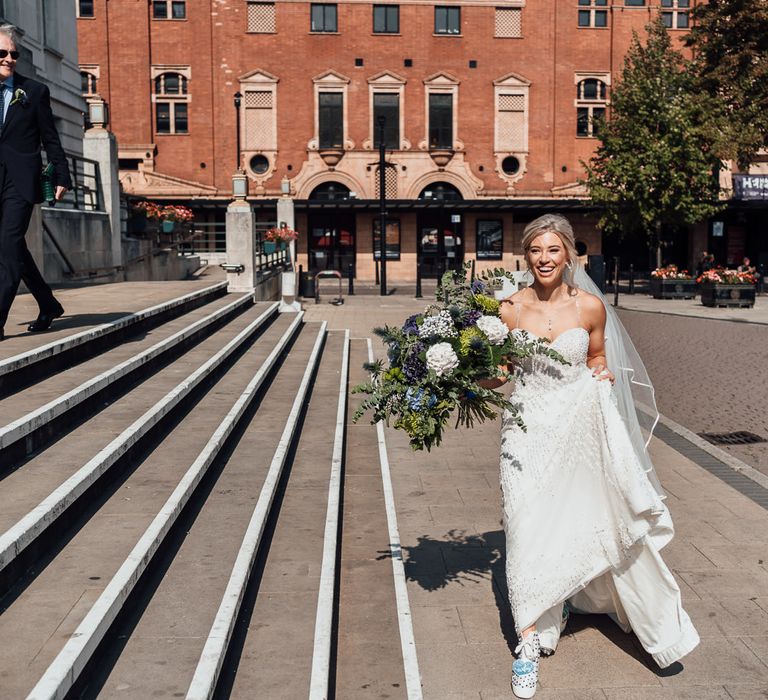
(87, 190)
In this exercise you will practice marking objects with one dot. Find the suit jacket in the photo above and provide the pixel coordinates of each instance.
(28, 125)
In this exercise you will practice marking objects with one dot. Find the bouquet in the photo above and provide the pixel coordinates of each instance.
(722, 276)
(437, 358)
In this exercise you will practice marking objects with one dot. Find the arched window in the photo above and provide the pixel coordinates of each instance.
(171, 103)
(330, 191)
(591, 102)
(442, 191)
(87, 83)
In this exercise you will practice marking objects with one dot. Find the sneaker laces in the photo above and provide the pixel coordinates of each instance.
(526, 648)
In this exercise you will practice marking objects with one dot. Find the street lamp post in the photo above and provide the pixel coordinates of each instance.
(382, 207)
(238, 101)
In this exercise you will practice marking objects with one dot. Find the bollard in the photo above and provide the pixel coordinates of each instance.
(376, 265)
(350, 275)
(418, 279)
(517, 265)
(761, 278)
(616, 281)
(632, 278)
(472, 277)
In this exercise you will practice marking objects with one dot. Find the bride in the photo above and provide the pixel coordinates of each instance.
(584, 516)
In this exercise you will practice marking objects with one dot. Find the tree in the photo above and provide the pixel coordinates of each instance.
(730, 43)
(656, 166)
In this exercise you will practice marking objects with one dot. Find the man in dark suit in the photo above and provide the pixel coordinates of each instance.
(26, 123)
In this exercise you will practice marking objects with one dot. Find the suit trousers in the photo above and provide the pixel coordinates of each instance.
(16, 262)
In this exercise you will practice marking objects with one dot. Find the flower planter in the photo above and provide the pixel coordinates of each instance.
(269, 247)
(672, 288)
(283, 245)
(169, 226)
(742, 295)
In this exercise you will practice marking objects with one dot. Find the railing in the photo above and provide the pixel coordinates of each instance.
(86, 193)
(269, 255)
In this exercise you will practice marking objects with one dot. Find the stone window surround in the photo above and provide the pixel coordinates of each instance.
(186, 72)
(388, 82)
(511, 84)
(603, 77)
(442, 83)
(330, 81)
(94, 71)
(259, 81)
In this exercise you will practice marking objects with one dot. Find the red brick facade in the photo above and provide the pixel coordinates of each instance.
(214, 50)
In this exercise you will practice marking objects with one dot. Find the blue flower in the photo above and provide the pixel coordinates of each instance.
(416, 399)
(478, 286)
(410, 327)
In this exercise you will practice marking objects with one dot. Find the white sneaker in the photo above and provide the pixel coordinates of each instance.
(525, 669)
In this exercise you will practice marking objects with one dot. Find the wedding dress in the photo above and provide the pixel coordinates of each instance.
(583, 522)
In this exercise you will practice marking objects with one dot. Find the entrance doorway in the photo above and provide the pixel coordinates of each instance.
(440, 239)
(332, 242)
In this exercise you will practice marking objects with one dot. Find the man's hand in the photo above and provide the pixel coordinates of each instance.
(60, 192)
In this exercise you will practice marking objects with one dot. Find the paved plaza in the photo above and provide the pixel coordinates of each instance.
(447, 505)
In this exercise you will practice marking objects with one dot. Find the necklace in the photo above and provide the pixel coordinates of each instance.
(550, 313)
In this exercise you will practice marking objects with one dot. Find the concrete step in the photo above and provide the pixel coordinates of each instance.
(285, 634)
(45, 487)
(185, 597)
(39, 412)
(26, 359)
(85, 585)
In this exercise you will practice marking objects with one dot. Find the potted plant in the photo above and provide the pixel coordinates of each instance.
(721, 287)
(672, 283)
(278, 237)
(143, 212)
(173, 213)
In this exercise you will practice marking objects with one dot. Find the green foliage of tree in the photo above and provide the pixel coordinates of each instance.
(730, 43)
(656, 166)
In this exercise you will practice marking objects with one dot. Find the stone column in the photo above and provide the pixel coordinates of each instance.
(241, 246)
(288, 279)
(101, 145)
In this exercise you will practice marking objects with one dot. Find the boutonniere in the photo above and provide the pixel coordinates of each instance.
(19, 96)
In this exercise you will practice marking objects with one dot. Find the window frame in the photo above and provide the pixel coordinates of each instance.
(395, 145)
(177, 103)
(386, 8)
(325, 6)
(169, 5)
(440, 145)
(328, 93)
(586, 107)
(593, 9)
(80, 14)
(448, 10)
(674, 11)
(489, 254)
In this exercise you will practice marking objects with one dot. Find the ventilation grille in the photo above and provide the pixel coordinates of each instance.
(261, 17)
(740, 437)
(509, 23)
(390, 183)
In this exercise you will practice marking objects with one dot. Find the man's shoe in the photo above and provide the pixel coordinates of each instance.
(525, 669)
(45, 319)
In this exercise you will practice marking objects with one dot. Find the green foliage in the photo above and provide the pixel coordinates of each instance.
(660, 150)
(730, 47)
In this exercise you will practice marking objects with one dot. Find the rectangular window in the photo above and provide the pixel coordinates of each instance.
(447, 20)
(169, 9)
(331, 120)
(676, 17)
(593, 17)
(387, 105)
(386, 19)
(323, 18)
(489, 239)
(163, 118)
(440, 121)
(392, 241)
(261, 17)
(180, 122)
(85, 8)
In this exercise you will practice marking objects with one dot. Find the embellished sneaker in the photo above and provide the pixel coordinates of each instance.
(525, 669)
(546, 651)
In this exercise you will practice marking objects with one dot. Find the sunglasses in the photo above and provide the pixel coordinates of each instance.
(14, 54)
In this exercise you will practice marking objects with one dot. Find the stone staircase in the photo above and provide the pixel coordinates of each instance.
(187, 511)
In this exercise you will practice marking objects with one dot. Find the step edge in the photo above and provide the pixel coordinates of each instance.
(56, 347)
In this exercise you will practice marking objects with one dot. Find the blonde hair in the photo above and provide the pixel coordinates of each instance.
(559, 225)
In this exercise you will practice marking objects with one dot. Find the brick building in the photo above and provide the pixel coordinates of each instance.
(488, 110)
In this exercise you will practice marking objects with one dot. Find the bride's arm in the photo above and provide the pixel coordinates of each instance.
(594, 315)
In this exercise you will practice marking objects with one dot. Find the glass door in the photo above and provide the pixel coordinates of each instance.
(440, 244)
(332, 243)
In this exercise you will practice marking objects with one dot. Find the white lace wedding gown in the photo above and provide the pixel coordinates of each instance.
(582, 520)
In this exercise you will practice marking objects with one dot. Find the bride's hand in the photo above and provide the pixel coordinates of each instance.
(602, 373)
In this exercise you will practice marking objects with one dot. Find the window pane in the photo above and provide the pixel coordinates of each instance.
(160, 9)
(590, 89)
(393, 19)
(387, 105)
(582, 121)
(179, 10)
(598, 115)
(172, 84)
(85, 83)
(180, 118)
(683, 3)
(489, 240)
(392, 240)
(584, 18)
(601, 18)
(163, 114)
(330, 18)
(585, 2)
(441, 20)
(601, 2)
(634, 3)
(86, 8)
(682, 20)
(331, 120)
(440, 121)
(666, 18)
(379, 18)
(454, 20)
(666, 3)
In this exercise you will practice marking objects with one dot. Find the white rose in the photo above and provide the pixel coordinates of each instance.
(442, 359)
(494, 328)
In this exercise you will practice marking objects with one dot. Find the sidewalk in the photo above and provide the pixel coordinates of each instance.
(694, 308)
(449, 513)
